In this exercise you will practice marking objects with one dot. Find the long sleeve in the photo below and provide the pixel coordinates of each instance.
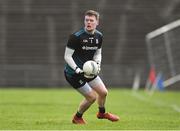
(68, 58)
(98, 56)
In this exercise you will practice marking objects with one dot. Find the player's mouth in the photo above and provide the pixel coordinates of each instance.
(88, 26)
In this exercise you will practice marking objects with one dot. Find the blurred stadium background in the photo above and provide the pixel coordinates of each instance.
(33, 36)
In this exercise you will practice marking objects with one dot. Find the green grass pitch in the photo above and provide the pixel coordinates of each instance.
(52, 109)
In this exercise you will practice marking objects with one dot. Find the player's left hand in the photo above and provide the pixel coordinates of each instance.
(99, 67)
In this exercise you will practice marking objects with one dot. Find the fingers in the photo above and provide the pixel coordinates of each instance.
(78, 70)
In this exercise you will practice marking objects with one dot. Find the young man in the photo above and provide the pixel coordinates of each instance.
(82, 46)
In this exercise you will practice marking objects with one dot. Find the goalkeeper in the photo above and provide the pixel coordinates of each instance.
(82, 46)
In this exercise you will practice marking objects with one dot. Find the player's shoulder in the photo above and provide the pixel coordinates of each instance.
(79, 32)
(98, 33)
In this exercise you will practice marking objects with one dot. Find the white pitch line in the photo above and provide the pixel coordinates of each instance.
(157, 102)
(176, 108)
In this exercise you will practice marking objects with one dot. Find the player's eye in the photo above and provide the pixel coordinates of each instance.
(89, 20)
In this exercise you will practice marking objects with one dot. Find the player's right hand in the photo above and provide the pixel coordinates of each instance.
(79, 71)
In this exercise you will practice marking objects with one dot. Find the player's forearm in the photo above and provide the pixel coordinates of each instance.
(68, 58)
(98, 56)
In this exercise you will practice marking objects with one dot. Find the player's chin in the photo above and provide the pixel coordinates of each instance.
(89, 29)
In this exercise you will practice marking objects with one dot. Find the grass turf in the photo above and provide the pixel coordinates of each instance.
(52, 109)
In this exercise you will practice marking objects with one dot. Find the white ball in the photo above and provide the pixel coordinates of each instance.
(90, 68)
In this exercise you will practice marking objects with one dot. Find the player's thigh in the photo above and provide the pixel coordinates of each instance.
(98, 85)
(81, 86)
(87, 92)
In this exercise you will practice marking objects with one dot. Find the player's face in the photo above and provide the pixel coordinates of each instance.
(90, 23)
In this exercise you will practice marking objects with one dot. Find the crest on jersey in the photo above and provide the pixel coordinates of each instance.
(97, 41)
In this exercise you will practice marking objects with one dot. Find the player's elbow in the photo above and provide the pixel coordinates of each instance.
(65, 57)
(68, 54)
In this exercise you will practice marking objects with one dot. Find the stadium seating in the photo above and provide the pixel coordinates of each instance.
(34, 34)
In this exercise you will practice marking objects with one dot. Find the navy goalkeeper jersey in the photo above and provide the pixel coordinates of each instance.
(85, 46)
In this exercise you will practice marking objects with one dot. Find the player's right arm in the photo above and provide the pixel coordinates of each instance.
(69, 60)
(69, 51)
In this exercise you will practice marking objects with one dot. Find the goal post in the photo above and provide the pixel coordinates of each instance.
(163, 46)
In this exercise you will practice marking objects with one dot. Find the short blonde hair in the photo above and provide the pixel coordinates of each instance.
(92, 13)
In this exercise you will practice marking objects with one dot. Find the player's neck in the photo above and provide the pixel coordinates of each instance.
(90, 32)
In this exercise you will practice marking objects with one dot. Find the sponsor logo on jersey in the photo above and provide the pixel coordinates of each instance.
(89, 48)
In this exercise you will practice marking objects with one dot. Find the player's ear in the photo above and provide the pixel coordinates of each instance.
(97, 23)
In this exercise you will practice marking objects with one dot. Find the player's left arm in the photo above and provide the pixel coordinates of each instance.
(98, 57)
(98, 54)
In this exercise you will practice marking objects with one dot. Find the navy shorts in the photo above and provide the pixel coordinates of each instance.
(76, 80)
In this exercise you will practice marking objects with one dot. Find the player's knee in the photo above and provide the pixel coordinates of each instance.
(92, 98)
(104, 93)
